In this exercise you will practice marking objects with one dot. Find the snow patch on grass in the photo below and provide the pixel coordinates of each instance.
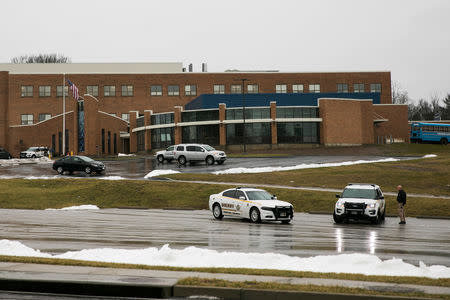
(155, 173)
(197, 257)
(301, 166)
(79, 207)
(123, 154)
(429, 156)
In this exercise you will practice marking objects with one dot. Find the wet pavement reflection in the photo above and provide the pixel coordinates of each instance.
(138, 168)
(309, 235)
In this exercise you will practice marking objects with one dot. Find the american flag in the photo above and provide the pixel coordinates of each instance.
(74, 90)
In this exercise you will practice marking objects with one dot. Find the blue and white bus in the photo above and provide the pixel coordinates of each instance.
(430, 132)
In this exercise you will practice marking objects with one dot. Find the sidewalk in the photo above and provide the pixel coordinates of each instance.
(158, 284)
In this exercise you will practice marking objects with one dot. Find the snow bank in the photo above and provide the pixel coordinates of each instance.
(112, 178)
(24, 161)
(79, 207)
(123, 154)
(155, 173)
(429, 156)
(196, 257)
(301, 166)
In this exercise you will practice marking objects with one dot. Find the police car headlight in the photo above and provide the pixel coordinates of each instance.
(372, 205)
(266, 208)
(340, 204)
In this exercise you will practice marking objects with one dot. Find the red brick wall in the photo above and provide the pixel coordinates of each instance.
(346, 122)
(397, 126)
(4, 94)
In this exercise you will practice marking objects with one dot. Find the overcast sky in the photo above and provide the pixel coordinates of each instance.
(410, 38)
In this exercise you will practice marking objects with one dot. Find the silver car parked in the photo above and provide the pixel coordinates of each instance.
(198, 152)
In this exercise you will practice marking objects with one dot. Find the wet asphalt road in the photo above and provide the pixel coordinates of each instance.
(138, 168)
(308, 235)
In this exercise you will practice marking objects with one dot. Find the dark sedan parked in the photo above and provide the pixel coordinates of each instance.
(78, 163)
(4, 154)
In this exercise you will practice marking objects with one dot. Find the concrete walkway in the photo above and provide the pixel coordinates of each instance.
(134, 278)
(303, 188)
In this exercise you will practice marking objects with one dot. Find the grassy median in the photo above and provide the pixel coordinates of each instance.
(422, 176)
(445, 282)
(58, 193)
(273, 286)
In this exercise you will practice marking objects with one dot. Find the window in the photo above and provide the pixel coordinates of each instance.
(126, 117)
(109, 91)
(255, 133)
(297, 88)
(280, 89)
(92, 90)
(297, 112)
(162, 119)
(202, 134)
(375, 87)
(314, 88)
(236, 89)
(358, 88)
(240, 194)
(200, 115)
(342, 88)
(180, 148)
(59, 89)
(252, 89)
(26, 119)
(156, 90)
(229, 194)
(298, 132)
(219, 89)
(162, 137)
(190, 90)
(173, 90)
(43, 117)
(250, 113)
(26, 91)
(127, 90)
(103, 140)
(44, 91)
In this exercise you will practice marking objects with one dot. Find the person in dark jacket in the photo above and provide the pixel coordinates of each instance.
(401, 199)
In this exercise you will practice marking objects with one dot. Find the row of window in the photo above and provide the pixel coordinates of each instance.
(191, 90)
(28, 119)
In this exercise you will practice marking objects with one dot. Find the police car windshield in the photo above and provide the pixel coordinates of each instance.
(258, 195)
(209, 148)
(33, 149)
(359, 193)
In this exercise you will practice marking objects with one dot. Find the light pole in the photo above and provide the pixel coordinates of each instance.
(243, 80)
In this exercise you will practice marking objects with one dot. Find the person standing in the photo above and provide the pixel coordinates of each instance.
(401, 199)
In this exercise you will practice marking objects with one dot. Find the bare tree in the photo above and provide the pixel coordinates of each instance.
(445, 112)
(42, 58)
(399, 96)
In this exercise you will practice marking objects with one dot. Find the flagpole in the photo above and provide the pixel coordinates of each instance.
(64, 115)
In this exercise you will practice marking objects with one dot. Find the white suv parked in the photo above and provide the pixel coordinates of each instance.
(360, 201)
(167, 154)
(34, 152)
(184, 153)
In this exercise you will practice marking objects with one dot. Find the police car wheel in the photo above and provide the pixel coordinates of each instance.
(217, 211)
(255, 215)
(160, 158)
(337, 219)
(286, 221)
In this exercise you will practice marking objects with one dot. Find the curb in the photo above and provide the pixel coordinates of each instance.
(252, 294)
(87, 288)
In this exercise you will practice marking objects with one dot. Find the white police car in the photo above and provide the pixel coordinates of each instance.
(360, 201)
(249, 203)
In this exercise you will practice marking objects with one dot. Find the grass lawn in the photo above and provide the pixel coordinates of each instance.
(263, 272)
(422, 176)
(273, 286)
(58, 193)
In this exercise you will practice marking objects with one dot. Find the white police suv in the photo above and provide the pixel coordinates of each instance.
(249, 203)
(360, 201)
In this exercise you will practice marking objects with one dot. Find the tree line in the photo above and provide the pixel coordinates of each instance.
(435, 109)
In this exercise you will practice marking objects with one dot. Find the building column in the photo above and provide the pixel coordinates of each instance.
(273, 124)
(222, 126)
(133, 136)
(148, 132)
(177, 119)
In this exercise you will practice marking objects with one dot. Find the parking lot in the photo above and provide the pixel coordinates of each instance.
(137, 168)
